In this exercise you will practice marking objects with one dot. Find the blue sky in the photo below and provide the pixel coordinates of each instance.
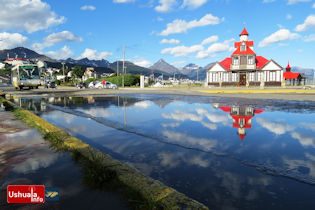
(193, 31)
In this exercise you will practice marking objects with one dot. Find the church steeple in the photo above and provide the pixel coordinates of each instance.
(288, 68)
(244, 35)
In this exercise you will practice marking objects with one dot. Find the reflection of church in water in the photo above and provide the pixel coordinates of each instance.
(242, 117)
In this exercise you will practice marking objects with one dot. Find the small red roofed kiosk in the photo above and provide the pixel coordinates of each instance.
(293, 78)
(244, 67)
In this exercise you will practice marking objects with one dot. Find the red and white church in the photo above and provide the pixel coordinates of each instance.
(245, 68)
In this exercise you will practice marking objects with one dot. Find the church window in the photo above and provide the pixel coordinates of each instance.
(251, 60)
(236, 61)
(243, 47)
(272, 76)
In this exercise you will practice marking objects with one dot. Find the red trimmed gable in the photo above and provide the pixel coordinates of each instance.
(261, 61)
(248, 43)
(248, 51)
(244, 32)
(226, 63)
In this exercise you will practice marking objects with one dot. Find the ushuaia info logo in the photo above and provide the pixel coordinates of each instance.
(26, 194)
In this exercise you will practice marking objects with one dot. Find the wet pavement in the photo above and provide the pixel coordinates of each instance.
(26, 159)
(226, 153)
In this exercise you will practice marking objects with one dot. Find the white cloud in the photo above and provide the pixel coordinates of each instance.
(54, 38)
(274, 127)
(123, 1)
(11, 40)
(27, 15)
(182, 116)
(310, 38)
(189, 141)
(268, 1)
(88, 7)
(304, 139)
(290, 2)
(202, 54)
(160, 19)
(165, 5)
(289, 17)
(181, 26)
(143, 63)
(279, 36)
(309, 22)
(169, 41)
(94, 55)
(219, 47)
(214, 117)
(215, 48)
(143, 104)
(210, 39)
(181, 51)
(193, 4)
(63, 53)
(310, 126)
(170, 125)
(313, 5)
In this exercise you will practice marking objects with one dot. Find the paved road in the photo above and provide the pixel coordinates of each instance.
(253, 93)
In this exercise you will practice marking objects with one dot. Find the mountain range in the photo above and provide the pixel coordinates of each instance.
(161, 67)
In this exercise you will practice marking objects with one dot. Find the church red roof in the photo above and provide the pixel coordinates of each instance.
(248, 51)
(225, 108)
(226, 63)
(260, 61)
(290, 75)
(248, 43)
(244, 32)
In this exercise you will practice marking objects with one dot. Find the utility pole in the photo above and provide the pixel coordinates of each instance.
(117, 67)
(63, 69)
(123, 76)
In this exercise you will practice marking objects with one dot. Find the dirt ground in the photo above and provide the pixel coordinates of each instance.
(252, 93)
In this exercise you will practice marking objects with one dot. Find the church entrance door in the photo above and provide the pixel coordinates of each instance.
(242, 79)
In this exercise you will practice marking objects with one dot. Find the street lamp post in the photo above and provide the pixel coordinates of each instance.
(63, 70)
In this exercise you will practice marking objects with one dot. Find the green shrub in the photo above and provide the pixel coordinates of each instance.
(130, 80)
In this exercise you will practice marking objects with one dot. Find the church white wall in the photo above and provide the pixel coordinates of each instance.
(216, 68)
(271, 66)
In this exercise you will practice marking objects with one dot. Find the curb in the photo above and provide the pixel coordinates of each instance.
(152, 191)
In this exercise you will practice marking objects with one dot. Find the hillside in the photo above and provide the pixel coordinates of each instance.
(134, 69)
(163, 66)
(22, 52)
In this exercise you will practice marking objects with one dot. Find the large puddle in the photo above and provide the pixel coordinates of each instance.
(225, 153)
(26, 158)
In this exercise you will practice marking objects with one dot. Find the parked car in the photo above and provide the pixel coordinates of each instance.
(91, 85)
(111, 85)
(99, 85)
(82, 85)
(50, 85)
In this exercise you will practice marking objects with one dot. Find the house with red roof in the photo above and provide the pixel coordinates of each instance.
(244, 67)
(242, 117)
(293, 78)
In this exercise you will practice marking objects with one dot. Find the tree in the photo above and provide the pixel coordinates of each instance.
(78, 71)
(5, 71)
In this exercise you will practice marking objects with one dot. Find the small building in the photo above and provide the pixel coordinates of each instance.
(89, 73)
(293, 78)
(244, 68)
